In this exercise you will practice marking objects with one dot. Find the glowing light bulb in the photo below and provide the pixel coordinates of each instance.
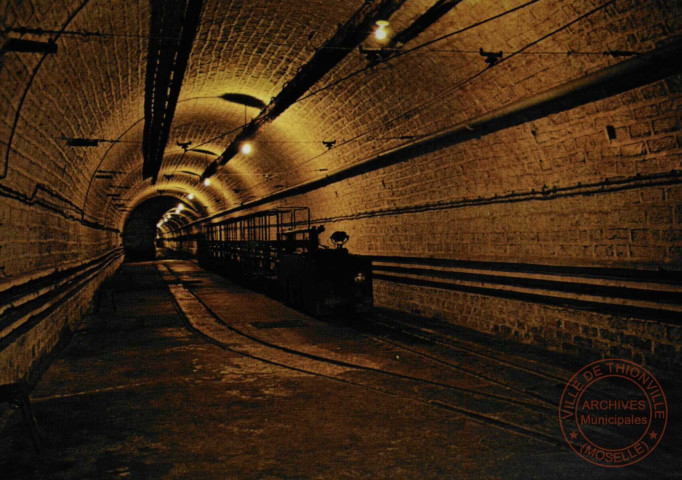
(190, 196)
(180, 207)
(207, 182)
(380, 33)
(246, 148)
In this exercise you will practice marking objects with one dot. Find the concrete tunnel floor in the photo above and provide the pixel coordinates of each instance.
(138, 394)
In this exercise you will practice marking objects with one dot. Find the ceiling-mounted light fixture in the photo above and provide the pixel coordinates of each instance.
(190, 196)
(380, 33)
(246, 148)
(207, 182)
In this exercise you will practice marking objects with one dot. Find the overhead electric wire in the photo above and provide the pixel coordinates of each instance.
(405, 52)
(84, 33)
(567, 53)
(464, 29)
(218, 137)
(443, 94)
(451, 89)
(85, 200)
(78, 33)
(394, 52)
(87, 34)
(418, 47)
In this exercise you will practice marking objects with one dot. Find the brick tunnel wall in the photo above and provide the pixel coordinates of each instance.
(554, 192)
(53, 255)
(469, 212)
(589, 193)
(515, 197)
(583, 196)
(51, 267)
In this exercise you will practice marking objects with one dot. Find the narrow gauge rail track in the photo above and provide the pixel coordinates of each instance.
(545, 380)
(202, 320)
(532, 405)
(467, 371)
(459, 345)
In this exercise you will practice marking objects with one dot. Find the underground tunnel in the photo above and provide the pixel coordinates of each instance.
(340, 239)
(139, 231)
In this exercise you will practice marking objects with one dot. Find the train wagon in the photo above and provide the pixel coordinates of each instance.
(279, 251)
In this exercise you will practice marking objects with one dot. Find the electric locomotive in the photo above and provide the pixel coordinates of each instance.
(278, 251)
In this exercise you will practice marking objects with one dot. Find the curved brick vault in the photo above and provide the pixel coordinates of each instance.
(476, 200)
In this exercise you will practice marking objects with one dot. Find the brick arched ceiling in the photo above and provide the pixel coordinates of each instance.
(244, 54)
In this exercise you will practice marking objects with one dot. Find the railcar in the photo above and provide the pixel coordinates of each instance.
(279, 251)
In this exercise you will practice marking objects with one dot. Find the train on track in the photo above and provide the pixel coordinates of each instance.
(278, 251)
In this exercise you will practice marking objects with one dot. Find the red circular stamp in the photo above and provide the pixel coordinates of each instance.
(613, 413)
